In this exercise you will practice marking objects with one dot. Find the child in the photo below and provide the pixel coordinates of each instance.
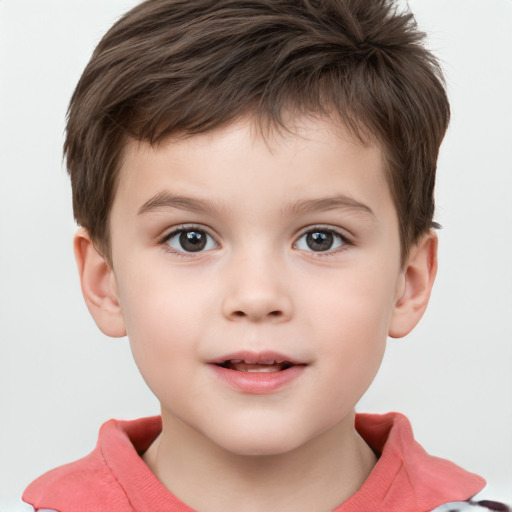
(254, 181)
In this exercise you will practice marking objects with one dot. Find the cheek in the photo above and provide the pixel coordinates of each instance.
(163, 317)
(156, 299)
(350, 317)
(357, 303)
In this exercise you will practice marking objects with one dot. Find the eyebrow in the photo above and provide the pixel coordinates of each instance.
(168, 200)
(329, 203)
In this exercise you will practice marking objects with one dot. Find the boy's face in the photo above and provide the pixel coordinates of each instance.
(229, 253)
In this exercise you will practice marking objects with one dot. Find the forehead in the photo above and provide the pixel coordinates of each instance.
(305, 160)
(293, 134)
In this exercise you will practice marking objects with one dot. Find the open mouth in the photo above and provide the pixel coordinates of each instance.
(263, 367)
(257, 373)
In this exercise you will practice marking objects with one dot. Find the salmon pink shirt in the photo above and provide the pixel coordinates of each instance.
(114, 478)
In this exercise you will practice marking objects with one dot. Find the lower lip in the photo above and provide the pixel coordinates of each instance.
(257, 383)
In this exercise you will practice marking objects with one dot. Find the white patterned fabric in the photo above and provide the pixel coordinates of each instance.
(469, 506)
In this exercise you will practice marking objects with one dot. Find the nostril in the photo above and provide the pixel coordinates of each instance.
(242, 314)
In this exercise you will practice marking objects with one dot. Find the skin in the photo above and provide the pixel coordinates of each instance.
(257, 286)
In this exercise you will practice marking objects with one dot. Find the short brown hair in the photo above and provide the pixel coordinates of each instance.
(187, 66)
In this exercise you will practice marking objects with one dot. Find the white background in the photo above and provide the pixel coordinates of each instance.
(60, 378)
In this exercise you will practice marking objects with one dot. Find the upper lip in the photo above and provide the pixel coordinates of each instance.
(261, 357)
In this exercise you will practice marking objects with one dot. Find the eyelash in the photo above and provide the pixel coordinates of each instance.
(342, 240)
(184, 229)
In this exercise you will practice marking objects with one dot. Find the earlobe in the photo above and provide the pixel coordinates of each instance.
(98, 286)
(418, 278)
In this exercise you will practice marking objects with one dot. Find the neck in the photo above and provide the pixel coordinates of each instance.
(319, 475)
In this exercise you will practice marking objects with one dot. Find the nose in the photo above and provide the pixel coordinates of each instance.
(257, 291)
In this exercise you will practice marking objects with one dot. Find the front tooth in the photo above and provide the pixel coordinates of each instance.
(263, 369)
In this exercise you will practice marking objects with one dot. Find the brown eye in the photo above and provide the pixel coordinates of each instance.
(193, 241)
(190, 240)
(320, 240)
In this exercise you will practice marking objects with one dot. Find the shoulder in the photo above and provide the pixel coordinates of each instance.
(87, 481)
(93, 483)
(106, 480)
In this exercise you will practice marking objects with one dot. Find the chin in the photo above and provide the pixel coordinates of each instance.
(253, 441)
(259, 448)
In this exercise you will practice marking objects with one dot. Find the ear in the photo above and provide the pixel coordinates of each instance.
(98, 284)
(416, 284)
